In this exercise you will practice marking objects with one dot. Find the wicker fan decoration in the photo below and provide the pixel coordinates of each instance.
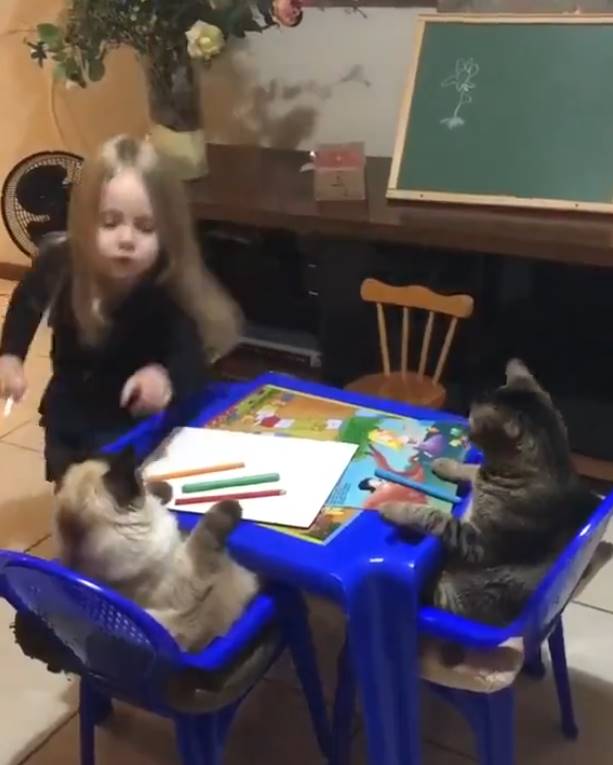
(35, 197)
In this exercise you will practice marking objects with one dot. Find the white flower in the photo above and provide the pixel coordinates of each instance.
(204, 41)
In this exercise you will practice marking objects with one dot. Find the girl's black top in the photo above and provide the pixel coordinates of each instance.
(83, 395)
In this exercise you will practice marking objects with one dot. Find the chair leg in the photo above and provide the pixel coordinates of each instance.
(492, 719)
(560, 672)
(297, 630)
(198, 739)
(344, 710)
(225, 718)
(94, 708)
(494, 726)
(534, 666)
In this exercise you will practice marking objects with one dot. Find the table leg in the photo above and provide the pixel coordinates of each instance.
(382, 609)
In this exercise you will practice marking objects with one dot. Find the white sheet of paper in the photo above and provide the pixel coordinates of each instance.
(309, 470)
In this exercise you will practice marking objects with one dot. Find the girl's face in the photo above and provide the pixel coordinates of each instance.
(126, 236)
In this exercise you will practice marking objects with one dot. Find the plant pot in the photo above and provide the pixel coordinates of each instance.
(176, 122)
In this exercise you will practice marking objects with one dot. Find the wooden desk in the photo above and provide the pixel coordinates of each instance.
(264, 188)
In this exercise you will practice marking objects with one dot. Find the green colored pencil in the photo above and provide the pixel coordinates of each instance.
(228, 483)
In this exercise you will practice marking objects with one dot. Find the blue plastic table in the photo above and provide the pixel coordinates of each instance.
(367, 569)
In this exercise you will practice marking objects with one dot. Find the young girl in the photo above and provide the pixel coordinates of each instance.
(135, 315)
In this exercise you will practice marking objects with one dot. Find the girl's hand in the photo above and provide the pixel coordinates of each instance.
(148, 391)
(12, 378)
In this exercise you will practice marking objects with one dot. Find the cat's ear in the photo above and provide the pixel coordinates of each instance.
(122, 480)
(518, 372)
(124, 460)
(521, 378)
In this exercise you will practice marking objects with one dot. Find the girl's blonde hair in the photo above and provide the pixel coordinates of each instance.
(193, 286)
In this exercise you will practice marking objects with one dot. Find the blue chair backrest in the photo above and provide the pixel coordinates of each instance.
(114, 640)
(544, 606)
(561, 581)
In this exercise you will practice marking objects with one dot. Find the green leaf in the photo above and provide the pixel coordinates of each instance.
(95, 69)
(238, 19)
(253, 26)
(50, 34)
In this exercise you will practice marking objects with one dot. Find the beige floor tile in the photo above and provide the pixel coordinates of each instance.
(28, 436)
(6, 290)
(21, 414)
(539, 740)
(599, 592)
(272, 728)
(45, 549)
(25, 498)
(41, 343)
(33, 702)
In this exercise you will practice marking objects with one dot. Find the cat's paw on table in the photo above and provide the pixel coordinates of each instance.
(446, 468)
(399, 512)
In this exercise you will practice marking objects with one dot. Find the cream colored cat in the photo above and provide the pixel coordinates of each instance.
(114, 529)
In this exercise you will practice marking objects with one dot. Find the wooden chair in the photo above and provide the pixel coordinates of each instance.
(596, 469)
(413, 387)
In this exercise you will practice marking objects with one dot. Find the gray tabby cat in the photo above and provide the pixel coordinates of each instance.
(113, 528)
(527, 502)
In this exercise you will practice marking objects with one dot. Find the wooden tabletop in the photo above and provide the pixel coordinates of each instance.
(265, 188)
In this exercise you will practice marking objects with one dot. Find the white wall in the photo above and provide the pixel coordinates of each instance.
(338, 76)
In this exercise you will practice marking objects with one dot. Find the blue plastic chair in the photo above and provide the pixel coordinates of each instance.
(491, 716)
(121, 652)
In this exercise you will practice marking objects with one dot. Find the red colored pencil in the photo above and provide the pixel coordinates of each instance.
(220, 497)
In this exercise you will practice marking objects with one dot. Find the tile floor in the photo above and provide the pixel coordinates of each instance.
(38, 710)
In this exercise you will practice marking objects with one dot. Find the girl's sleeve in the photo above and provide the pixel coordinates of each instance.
(32, 296)
(186, 361)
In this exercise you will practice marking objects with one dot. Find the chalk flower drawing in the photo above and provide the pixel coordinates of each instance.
(462, 80)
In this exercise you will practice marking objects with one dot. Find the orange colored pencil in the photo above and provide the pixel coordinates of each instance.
(196, 471)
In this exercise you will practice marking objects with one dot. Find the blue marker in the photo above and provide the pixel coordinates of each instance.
(425, 488)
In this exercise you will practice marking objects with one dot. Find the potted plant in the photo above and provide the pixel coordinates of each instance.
(174, 39)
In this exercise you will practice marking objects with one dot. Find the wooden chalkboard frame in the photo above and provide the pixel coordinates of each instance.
(393, 190)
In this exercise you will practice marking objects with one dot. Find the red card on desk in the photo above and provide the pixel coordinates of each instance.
(340, 172)
(346, 155)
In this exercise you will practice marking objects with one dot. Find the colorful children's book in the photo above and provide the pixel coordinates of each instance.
(403, 445)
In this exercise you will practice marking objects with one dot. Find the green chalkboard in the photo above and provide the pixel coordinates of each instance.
(509, 110)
